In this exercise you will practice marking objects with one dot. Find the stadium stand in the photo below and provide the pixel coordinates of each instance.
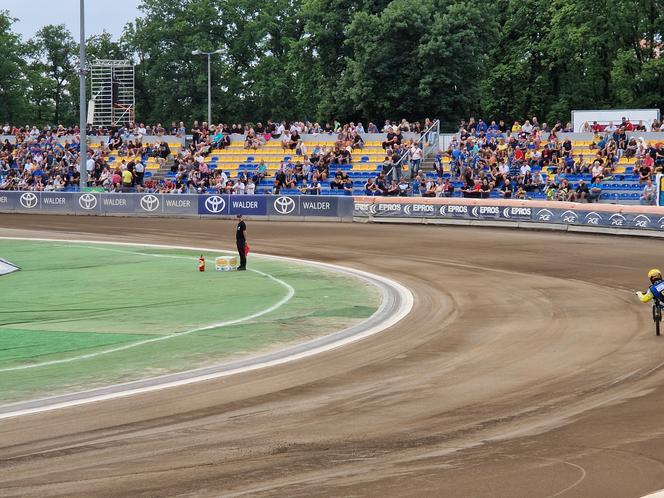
(480, 160)
(236, 161)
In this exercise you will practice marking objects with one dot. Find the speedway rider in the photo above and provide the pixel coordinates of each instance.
(656, 289)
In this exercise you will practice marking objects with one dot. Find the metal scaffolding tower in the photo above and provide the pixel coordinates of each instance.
(112, 90)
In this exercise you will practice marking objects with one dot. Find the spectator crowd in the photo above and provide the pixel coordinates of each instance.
(48, 159)
(514, 160)
(526, 158)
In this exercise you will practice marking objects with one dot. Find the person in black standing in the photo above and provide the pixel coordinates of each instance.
(241, 239)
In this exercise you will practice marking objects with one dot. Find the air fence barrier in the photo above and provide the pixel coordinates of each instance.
(568, 216)
(296, 207)
(614, 218)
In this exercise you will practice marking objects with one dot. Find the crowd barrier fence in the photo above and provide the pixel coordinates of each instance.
(532, 214)
(135, 204)
(647, 220)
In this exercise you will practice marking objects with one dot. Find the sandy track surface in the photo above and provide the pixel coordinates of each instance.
(526, 368)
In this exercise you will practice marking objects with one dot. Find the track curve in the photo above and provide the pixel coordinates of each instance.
(525, 368)
(396, 303)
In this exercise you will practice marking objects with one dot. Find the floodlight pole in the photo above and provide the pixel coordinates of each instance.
(209, 93)
(209, 102)
(83, 148)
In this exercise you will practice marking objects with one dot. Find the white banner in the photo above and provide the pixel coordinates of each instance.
(604, 117)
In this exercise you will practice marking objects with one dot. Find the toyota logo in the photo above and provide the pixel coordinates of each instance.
(149, 203)
(88, 201)
(284, 205)
(215, 204)
(29, 200)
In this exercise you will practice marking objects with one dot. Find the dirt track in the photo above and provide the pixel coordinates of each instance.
(525, 369)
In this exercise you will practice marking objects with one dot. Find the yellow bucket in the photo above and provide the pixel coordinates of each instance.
(226, 263)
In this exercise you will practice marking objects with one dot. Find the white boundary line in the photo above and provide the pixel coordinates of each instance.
(289, 295)
(656, 494)
(400, 309)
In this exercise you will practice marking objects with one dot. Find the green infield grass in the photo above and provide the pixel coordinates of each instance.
(83, 315)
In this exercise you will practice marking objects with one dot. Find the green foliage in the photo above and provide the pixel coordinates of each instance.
(557, 55)
(102, 46)
(13, 81)
(53, 70)
(355, 59)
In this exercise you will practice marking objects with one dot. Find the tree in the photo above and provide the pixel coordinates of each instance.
(269, 82)
(518, 81)
(637, 71)
(384, 69)
(553, 56)
(357, 59)
(454, 55)
(13, 69)
(53, 62)
(251, 78)
(102, 46)
(414, 59)
(171, 83)
(324, 50)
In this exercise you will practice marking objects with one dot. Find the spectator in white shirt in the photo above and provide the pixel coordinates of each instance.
(538, 179)
(238, 188)
(597, 171)
(527, 127)
(415, 159)
(139, 172)
(285, 140)
(648, 196)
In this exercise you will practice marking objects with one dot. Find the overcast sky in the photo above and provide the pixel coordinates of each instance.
(100, 15)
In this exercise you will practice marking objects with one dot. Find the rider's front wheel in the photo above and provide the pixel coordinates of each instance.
(657, 317)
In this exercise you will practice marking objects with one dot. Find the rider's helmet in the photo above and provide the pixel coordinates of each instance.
(654, 275)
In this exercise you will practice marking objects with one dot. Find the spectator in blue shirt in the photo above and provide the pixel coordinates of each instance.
(601, 144)
(438, 164)
(417, 183)
(595, 190)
